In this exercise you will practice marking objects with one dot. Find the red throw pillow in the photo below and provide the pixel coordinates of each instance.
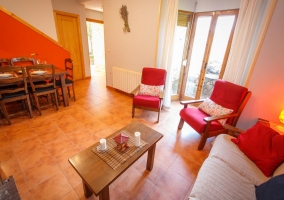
(264, 146)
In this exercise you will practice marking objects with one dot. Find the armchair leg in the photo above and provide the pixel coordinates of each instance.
(202, 142)
(180, 125)
(133, 111)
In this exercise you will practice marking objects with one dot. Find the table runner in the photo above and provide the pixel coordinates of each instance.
(112, 156)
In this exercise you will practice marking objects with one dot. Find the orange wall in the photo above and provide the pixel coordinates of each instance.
(17, 40)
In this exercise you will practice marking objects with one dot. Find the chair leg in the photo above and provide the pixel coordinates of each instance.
(37, 104)
(73, 92)
(180, 125)
(29, 106)
(202, 141)
(58, 97)
(68, 88)
(5, 112)
(133, 111)
(55, 98)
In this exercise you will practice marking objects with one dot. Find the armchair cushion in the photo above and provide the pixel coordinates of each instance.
(195, 116)
(213, 109)
(264, 146)
(146, 101)
(151, 90)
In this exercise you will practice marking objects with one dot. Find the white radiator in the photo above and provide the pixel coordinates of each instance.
(125, 80)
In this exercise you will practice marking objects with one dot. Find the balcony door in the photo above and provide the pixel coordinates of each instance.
(209, 47)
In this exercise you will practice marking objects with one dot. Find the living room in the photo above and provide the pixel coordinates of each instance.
(266, 80)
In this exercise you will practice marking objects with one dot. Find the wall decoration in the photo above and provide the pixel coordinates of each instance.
(124, 15)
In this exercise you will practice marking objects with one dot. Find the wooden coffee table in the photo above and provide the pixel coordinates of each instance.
(98, 175)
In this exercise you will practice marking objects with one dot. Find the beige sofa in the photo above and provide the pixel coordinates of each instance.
(228, 173)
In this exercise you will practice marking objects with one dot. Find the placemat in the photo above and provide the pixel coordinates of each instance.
(112, 156)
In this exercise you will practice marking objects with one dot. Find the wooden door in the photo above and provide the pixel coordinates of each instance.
(69, 36)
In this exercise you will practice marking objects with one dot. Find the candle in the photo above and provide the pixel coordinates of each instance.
(103, 145)
(137, 139)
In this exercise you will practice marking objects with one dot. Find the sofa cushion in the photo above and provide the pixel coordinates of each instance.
(272, 189)
(217, 180)
(213, 109)
(146, 101)
(264, 146)
(225, 150)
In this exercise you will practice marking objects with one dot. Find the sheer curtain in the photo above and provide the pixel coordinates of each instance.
(168, 23)
(253, 21)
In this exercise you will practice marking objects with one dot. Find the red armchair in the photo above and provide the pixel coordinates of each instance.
(226, 94)
(149, 94)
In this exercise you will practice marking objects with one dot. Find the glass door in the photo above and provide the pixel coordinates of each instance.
(209, 48)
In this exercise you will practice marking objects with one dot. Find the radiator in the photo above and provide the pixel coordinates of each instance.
(125, 80)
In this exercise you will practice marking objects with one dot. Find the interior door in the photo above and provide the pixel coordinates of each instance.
(69, 36)
(209, 48)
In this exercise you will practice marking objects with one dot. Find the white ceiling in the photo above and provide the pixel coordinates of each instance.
(92, 4)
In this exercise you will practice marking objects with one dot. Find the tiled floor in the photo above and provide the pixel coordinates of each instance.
(35, 151)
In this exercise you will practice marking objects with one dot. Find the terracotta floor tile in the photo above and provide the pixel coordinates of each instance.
(72, 195)
(40, 173)
(26, 196)
(21, 184)
(158, 170)
(157, 194)
(41, 129)
(54, 188)
(32, 158)
(11, 167)
(21, 149)
(20, 136)
(136, 185)
(165, 154)
(72, 176)
(51, 135)
(4, 140)
(173, 185)
(78, 135)
(62, 157)
(185, 167)
(86, 142)
(58, 145)
(6, 153)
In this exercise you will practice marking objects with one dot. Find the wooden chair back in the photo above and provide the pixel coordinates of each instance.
(19, 82)
(4, 62)
(41, 81)
(69, 68)
(22, 61)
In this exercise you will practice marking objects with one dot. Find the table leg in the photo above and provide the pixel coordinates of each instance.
(104, 195)
(150, 159)
(64, 90)
(87, 190)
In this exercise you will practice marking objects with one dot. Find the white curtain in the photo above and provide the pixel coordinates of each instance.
(253, 21)
(167, 31)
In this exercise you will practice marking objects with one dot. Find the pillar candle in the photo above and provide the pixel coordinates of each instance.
(103, 145)
(137, 139)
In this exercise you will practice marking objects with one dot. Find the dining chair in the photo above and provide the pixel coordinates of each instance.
(149, 94)
(13, 88)
(4, 62)
(69, 81)
(22, 61)
(42, 83)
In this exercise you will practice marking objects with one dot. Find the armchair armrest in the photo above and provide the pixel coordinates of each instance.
(185, 103)
(211, 118)
(135, 91)
(233, 131)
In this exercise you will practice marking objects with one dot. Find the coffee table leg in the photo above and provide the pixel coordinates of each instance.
(104, 195)
(87, 190)
(150, 159)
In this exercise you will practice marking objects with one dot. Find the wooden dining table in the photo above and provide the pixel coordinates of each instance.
(59, 73)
